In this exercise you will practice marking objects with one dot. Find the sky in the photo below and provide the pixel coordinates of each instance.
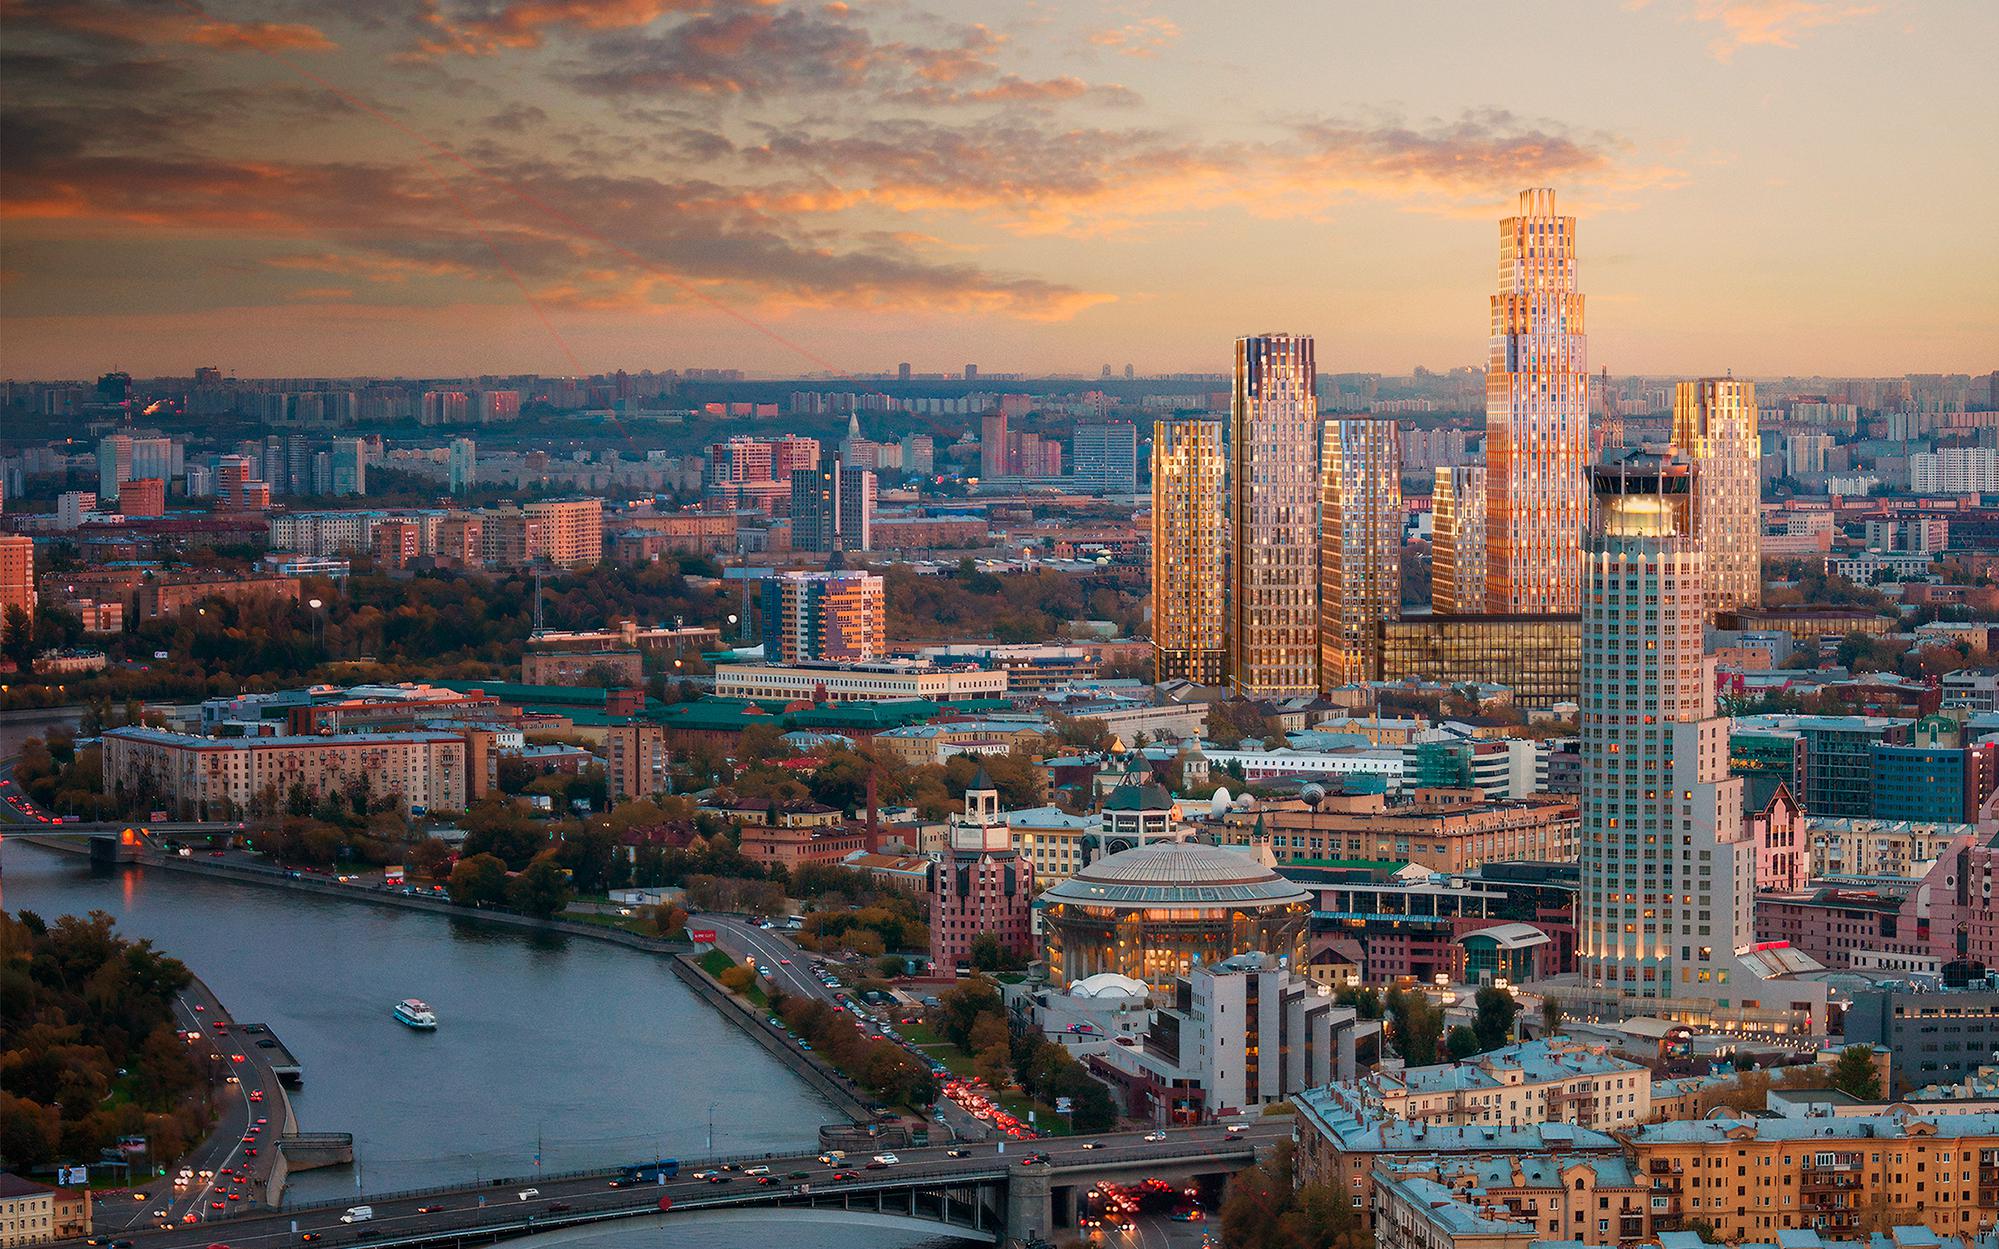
(455, 187)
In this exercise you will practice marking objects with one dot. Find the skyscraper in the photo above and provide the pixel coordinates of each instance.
(114, 464)
(1187, 469)
(1668, 872)
(1714, 423)
(1272, 638)
(1360, 543)
(1536, 416)
(993, 458)
(1457, 542)
(17, 573)
(350, 466)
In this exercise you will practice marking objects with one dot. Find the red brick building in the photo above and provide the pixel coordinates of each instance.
(981, 886)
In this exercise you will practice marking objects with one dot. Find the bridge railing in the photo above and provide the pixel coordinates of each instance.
(534, 1178)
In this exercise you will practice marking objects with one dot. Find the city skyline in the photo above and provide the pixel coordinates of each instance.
(568, 190)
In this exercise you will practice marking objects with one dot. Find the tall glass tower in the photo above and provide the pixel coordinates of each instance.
(1536, 416)
(1272, 637)
(1188, 461)
(1714, 422)
(1668, 870)
(1360, 544)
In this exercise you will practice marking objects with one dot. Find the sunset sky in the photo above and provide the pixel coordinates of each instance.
(437, 187)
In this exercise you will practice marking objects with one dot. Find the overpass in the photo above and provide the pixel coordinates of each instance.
(995, 1195)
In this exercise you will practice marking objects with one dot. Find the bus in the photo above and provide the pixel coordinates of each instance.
(658, 1171)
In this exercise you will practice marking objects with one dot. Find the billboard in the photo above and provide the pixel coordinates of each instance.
(702, 936)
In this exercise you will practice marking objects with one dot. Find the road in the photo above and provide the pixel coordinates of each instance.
(793, 970)
(475, 1207)
(148, 1203)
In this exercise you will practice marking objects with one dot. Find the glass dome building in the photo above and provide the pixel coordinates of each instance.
(1153, 912)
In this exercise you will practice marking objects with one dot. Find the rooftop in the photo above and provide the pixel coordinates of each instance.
(1177, 872)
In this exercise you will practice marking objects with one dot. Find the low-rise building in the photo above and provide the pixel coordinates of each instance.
(1337, 1146)
(1749, 1179)
(36, 1214)
(883, 681)
(1931, 1037)
(1445, 830)
(1546, 1081)
(1508, 1202)
(220, 778)
(606, 668)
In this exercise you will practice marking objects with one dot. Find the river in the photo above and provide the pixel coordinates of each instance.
(589, 1053)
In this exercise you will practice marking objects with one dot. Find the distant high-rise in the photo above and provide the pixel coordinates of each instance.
(1106, 458)
(1188, 463)
(1457, 542)
(463, 466)
(902, 371)
(1666, 908)
(832, 508)
(114, 464)
(831, 616)
(1536, 416)
(993, 458)
(17, 573)
(1360, 543)
(350, 466)
(1714, 423)
(1273, 601)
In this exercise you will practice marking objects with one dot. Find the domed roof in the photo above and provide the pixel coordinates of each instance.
(1108, 984)
(1188, 873)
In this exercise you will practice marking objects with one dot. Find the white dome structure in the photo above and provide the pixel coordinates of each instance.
(1108, 986)
(1218, 805)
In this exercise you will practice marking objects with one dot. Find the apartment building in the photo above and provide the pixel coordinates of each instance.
(882, 681)
(1445, 830)
(213, 777)
(1551, 1081)
(1508, 1203)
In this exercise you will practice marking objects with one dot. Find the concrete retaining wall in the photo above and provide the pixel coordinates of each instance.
(827, 1081)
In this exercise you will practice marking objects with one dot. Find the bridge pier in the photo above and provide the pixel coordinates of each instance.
(112, 849)
(1028, 1214)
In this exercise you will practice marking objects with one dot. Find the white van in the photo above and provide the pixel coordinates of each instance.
(358, 1214)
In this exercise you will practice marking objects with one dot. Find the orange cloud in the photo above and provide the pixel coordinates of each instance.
(1142, 39)
(113, 22)
(524, 23)
(1767, 23)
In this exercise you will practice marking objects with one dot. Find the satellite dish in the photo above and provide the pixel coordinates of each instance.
(1313, 794)
(1219, 804)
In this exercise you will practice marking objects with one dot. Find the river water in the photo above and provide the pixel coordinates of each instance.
(589, 1053)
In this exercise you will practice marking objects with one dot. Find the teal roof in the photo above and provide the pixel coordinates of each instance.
(733, 715)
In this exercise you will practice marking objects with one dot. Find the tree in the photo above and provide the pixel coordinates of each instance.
(480, 880)
(1415, 1025)
(738, 978)
(986, 952)
(542, 889)
(1461, 1043)
(427, 859)
(17, 638)
(1551, 1016)
(1494, 1012)
(961, 1006)
(1856, 1075)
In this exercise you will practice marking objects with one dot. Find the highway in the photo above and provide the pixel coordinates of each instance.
(502, 1203)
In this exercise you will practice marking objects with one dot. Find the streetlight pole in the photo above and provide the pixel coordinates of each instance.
(711, 1129)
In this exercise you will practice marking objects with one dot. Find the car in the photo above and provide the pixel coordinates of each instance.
(308, 1236)
(199, 1006)
(845, 1175)
(429, 1209)
(785, 961)
(1155, 1136)
(718, 1179)
(557, 1207)
(235, 1196)
(1236, 1129)
(190, 1217)
(260, 1122)
(704, 1175)
(887, 1160)
(237, 1058)
(218, 1205)
(957, 1153)
(267, 1044)
(798, 1175)
(232, 1080)
(775, 1022)
(832, 1156)
(757, 1170)
(1093, 1144)
(766, 1180)
(257, 1095)
(250, 1152)
(159, 1214)
(876, 1164)
(526, 1193)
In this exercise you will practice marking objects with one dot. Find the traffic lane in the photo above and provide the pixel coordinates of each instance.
(784, 962)
(225, 1145)
(464, 1207)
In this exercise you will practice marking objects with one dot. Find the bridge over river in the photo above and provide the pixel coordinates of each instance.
(985, 1196)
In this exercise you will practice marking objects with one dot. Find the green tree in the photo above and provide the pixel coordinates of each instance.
(427, 859)
(1551, 1016)
(480, 880)
(986, 952)
(1461, 1043)
(17, 638)
(542, 888)
(1855, 1074)
(960, 1007)
(1415, 1025)
(1494, 1011)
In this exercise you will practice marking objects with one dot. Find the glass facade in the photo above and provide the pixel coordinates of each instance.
(1187, 491)
(1536, 416)
(1360, 543)
(1538, 657)
(1272, 637)
(1457, 541)
(1159, 944)
(1714, 423)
